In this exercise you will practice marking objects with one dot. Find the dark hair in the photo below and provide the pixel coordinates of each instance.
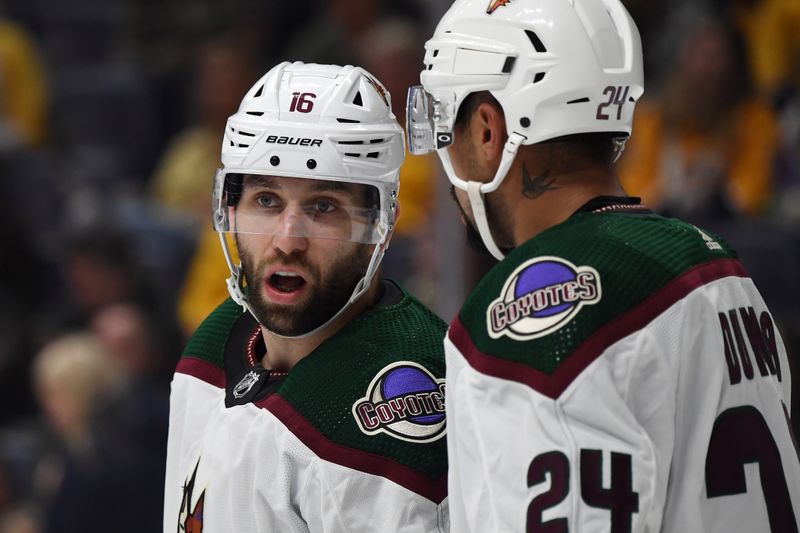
(598, 148)
(470, 105)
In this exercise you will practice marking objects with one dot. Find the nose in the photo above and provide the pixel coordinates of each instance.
(290, 236)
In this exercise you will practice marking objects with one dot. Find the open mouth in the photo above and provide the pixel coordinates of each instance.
(286, 282)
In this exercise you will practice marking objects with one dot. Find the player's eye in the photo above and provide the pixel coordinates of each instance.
(324, 206)
(267, 201)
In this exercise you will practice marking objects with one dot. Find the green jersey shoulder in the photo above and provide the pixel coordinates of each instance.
(555, 291)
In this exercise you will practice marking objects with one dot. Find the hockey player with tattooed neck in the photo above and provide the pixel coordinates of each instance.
(616, 371)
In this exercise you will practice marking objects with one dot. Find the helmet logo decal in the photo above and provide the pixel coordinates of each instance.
(494, 4)
(302, 102)
(404, 401)
(299, 141)
(380, 89)
(542, 296)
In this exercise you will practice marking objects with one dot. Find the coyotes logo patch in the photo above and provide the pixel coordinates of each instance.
(406, 401)
(494, 4)
(191, 521)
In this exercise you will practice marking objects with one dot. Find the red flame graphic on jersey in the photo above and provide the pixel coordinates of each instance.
(494, 4)
(191, 522)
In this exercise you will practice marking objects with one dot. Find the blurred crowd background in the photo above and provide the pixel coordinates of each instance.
(111, 119)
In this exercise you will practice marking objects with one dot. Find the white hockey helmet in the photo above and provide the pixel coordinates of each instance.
(319, 122)
(557, 68)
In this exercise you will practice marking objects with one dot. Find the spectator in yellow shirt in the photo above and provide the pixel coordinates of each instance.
(704, 147)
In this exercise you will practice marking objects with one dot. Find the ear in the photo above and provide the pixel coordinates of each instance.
(489, 132)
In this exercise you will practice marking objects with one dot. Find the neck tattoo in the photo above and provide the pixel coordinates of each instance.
(533, 188)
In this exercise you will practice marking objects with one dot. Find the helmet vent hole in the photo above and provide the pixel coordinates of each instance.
(255, 113)
(351, 142)
(350, 154)
(247, 134)
(375, 141)
(430, 67)
(259, 92)
(373, 155)
(357, 100)
(244, 146)
(435, 53)
(535, 41)
(579, 101)
(509, 64)
(539, 77)
(347, 121)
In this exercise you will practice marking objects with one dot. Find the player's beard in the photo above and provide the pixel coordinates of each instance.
(474, 238)
(327, 293)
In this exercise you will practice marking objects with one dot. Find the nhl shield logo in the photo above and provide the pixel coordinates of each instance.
(541, 296)
(246, 383)
(405, 401)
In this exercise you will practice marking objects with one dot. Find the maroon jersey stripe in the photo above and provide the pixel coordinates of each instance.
(202, 370)
(552, 385)
(432, 489)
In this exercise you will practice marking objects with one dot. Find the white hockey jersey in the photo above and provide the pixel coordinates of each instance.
(619, 373)
(351, 440)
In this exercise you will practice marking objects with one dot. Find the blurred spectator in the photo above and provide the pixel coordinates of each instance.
(114, 432)
(693, 152)
(23, 90)
(101, 268)
(182, 182)
(73, 377)
(774, 40)
(774, 35)
(136, 343)
(20, 519)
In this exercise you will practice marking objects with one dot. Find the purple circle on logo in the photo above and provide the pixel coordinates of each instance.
(541, 275)
(405, 380)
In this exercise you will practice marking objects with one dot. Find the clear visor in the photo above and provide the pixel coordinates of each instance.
(297, 207)
(423, 112)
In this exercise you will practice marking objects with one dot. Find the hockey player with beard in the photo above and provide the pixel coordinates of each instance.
(313, 399)
(616, 371)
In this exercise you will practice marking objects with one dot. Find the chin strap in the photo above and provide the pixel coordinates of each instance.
(476, 190)
(479, 212)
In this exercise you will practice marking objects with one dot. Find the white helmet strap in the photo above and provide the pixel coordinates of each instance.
(476, 190)
(481, 220)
